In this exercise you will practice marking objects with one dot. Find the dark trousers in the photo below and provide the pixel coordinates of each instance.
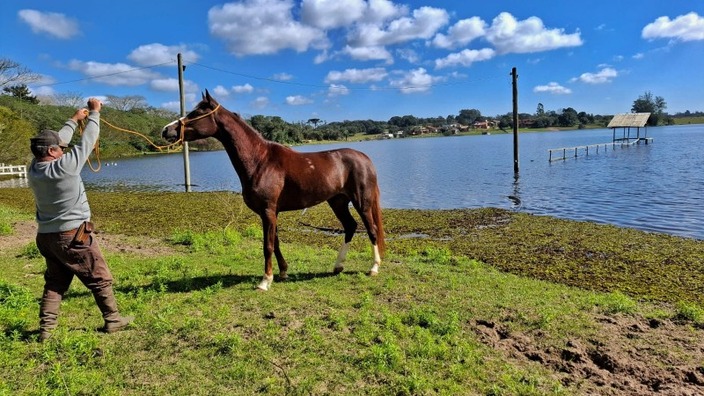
(66, 258)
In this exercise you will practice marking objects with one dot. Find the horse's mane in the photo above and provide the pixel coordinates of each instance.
(252, 130)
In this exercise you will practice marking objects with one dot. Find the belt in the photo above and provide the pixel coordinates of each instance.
(69, 232)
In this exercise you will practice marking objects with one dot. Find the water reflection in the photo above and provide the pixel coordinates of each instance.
(515, 198)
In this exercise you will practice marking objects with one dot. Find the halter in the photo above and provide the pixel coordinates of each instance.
(183, 121)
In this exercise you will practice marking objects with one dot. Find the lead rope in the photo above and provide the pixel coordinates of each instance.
(182, 130)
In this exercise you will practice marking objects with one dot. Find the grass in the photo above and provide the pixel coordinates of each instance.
(201, 329)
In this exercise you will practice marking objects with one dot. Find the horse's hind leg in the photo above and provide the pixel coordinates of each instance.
(367, 215)
(340, 206)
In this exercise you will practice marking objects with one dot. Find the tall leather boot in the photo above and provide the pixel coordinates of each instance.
(48, 314)
(108, 306)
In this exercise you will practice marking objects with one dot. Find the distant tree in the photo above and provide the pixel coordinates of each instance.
(70, 99)
(403, 122)
(568, 118)
(126, 103)
(505, 121)
(540, 111)
(314, 121)
(468, 116)
(12, 73)
(161, 112)
(585, 118)
(15, 131)
(646, 103)
(21, 91)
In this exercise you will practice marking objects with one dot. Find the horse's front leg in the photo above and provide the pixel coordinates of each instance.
(269, 228)
(283, 265)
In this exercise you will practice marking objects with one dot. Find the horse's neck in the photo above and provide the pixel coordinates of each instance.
(245, 146)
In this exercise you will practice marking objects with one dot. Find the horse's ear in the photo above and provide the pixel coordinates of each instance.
(209, 98)
(202, 95)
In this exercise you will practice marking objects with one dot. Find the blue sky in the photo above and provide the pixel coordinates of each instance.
(365, 59)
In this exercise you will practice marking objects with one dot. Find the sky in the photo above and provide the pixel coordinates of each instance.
(341, 60)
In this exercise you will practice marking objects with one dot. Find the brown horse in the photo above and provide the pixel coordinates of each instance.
(276, 178)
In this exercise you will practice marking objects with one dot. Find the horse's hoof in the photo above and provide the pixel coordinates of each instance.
(283, 277)
(259, 289)
(373, 273)
(337, 270)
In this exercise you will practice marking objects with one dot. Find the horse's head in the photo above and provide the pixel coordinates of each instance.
(198, 124)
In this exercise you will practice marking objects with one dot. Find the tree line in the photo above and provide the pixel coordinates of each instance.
(23, 114)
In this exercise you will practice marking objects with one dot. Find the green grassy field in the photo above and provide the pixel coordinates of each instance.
(186, 265)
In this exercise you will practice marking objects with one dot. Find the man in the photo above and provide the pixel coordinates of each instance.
(63, 216)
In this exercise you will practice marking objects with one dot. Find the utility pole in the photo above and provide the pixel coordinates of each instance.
(186, 162)
(514, 76)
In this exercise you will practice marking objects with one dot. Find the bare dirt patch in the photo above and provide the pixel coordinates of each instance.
(636, 356)
(24, 232)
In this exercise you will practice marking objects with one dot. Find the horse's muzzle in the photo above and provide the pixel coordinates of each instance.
(170, 132)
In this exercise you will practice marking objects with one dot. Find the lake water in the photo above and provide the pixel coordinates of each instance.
(655, 187)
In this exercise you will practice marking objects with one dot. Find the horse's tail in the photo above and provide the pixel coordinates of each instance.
(378, 220)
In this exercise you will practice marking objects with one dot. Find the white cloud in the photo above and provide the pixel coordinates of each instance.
(297, 100)
(464, 58)
(605, 75)
(357, 76)
(689, 27)
(423, 24)
(383, 10)
(331, 14)
(221, 91)
(639, 55)
(43, 91)
(461, 33)
(409, 55)
(113, 74)
(242, 89)
(171, 85)
(415, 81)
(260, 102)
(553, 88)
(337, 90)
(530, 35)
(155, 53)
(174, 106)
(262, 27)
(369, 53)
(282, 77)
(54, 24)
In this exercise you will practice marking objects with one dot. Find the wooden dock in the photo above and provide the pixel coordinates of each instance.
(11, 170)
(573, 152)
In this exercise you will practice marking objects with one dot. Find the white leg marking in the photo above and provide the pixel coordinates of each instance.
(377, 262)
(266, 282)
(341, 256)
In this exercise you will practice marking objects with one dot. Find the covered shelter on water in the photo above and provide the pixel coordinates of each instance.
(630, 122)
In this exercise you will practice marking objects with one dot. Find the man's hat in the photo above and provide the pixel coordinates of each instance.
(47, 137)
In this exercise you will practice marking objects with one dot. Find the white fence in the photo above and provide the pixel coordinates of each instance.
(20, 170)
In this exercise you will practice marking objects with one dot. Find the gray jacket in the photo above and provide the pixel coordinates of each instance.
(57, 185)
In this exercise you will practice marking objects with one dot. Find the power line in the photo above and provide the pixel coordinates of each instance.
(279, 81)
(389, 88)
(105, 75)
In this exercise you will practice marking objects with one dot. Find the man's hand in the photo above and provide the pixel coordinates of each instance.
(94, 104)
(80, 114)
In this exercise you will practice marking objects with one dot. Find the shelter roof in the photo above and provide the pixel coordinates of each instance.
(629, 120)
